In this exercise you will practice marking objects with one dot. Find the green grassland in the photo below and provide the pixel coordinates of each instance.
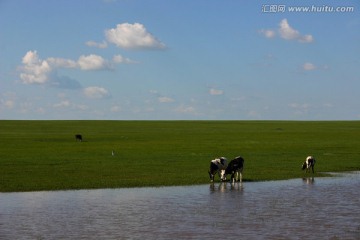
(43, 155)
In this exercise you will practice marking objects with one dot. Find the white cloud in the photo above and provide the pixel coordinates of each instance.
(328, 105)
(300, 109)
(312, 67)
(253, 114)
(153, 92)
(298, 105)
(160, 97)
(81, 107)
(213, 91)
(306, 39)
(267, 33)
(66, 104)
(132, 36)
(92, 62)
(62, 104)
(96, 44)
(165, 99)
(115, 108)
(34, 70)
(121, 59)
(61, 63)
(95, 92)
(309, 66)
(185, 109)
(8, 100)
(288, 33)
(9, 104)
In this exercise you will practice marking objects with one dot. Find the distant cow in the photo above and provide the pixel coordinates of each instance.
(309, 163)
(235, 168)
(218, 165)
(78, 137)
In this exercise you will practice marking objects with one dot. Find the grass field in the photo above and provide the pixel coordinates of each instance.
(43, 155)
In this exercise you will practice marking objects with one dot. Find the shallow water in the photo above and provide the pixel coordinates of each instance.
(321, 208)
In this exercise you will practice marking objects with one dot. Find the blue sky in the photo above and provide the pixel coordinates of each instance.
(179, 59)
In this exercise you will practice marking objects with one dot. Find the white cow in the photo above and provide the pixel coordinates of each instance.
(309, 163)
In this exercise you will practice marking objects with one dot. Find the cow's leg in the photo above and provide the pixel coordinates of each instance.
(240, 176)
(223, 175)
(220, 173)
(232, 179)
(211, 176)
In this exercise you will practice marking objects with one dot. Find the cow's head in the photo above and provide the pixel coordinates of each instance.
(304, 166)
(222, 161)
(223, 175)
(240, 159)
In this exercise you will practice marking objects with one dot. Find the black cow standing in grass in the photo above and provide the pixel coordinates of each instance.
(235, 168)
(78, 137)
(309, 163)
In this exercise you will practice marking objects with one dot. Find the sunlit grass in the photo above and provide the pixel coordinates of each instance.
(43, 155)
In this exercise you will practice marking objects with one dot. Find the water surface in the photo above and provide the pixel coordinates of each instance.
(321, 208)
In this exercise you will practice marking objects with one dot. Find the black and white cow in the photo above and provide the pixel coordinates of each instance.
(309, 163)
(235, 168)
(78, 137)
(218, 165)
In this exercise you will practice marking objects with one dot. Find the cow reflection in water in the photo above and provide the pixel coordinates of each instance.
(225, 187)
(309, 180)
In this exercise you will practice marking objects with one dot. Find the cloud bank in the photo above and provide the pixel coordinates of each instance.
(37, 71)
(128, 36)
